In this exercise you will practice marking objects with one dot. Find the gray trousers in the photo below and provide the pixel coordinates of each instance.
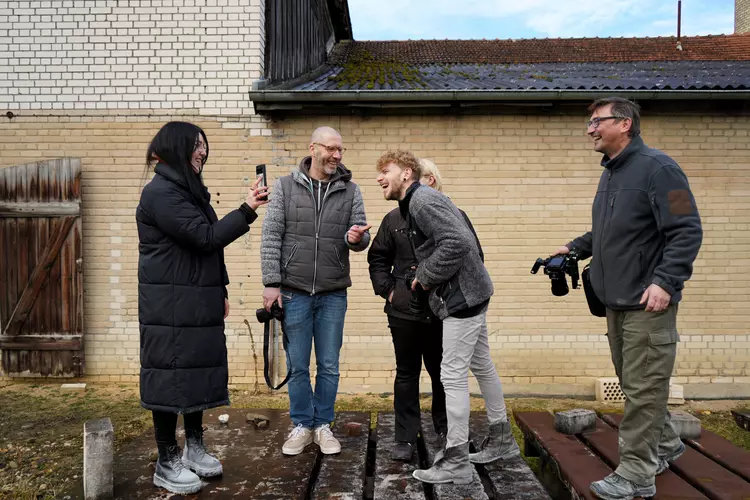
(466, 346)
(644, 346)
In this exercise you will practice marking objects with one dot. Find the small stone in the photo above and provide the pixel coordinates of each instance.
(575, 421)
(12, 465)
(42, 486)
(153, 456)
(353, 429)
(259, 421)
(224, 418)
(27, 426)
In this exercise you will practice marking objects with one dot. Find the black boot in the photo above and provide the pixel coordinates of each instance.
(403, 451)
(171, 475)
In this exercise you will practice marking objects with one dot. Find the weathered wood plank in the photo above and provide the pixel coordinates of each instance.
(41, 272)
(709, 477)
(5, 306)
(724, 452)
(393, 479)
(432, 442)
(33, 342)
(669, 486)
(39, 209)
(78, 282)
(510, 480)
(576, 465)
(342, 476)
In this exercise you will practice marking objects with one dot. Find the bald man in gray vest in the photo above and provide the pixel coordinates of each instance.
(315, 217)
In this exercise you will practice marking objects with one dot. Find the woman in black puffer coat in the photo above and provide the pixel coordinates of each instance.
(183, 301)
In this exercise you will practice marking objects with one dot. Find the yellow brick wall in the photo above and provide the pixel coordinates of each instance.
(741, 16)
(526, 182)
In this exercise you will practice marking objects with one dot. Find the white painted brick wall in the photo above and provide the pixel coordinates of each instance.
(197, 56)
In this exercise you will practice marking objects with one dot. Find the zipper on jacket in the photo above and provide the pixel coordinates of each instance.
(289, 259)
(318, 218)
(601, 237)
(338, 257)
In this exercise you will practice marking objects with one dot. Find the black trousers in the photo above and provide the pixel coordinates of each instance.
(414, 341)
(165, 426)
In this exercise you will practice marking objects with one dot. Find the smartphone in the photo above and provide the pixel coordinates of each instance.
(261, 170)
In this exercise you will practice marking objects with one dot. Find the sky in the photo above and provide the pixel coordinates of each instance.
(491, 19)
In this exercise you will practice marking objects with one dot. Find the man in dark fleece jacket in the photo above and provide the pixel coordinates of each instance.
(450, 267)
(646, 233)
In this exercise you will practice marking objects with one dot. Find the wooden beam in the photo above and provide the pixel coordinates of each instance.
(46, 343)
(35, 209)
(40, 274)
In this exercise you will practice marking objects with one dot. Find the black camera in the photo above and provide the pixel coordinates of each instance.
(419, 299)
(556, 267)
(264, 316)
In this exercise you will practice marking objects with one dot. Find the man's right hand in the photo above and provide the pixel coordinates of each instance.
(560, 251)
(271, 295)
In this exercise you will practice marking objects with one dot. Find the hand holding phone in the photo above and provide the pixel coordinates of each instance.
(260, 171)
(257, 195)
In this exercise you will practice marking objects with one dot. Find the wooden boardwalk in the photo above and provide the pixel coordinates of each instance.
(255, 468)
(711, 467)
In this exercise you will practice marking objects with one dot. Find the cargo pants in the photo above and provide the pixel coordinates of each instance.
(644, 346)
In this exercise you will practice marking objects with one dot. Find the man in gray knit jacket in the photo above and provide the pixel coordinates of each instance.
(315, 217)
(451, 269)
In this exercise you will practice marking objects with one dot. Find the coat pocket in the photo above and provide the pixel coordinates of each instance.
(193, 269)
(291, 255)
(663, 337)
(401, 296)
(338, 257)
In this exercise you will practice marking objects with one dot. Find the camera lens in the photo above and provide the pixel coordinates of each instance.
(559, 286)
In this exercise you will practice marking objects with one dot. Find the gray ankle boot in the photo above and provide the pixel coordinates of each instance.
(498, 445)
(453, 467)
(197, 459)
(171, 475)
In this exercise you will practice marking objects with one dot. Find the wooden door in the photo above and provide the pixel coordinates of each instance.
(41, 279)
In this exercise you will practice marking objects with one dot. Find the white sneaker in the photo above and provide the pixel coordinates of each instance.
(299, 438)
(323, 437)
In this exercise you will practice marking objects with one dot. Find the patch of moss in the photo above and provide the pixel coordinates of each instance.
(365, 70)
(541, 77)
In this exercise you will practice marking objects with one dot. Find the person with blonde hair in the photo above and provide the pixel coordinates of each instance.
(429, 174)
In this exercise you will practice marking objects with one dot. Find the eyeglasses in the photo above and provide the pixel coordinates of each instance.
(594, 122)
(332, 149)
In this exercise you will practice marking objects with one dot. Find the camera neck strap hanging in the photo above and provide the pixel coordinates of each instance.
(266, 344)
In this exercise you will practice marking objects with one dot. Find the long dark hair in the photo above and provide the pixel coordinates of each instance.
(174, 145)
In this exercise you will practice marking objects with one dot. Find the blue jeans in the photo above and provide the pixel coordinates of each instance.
(319, 317)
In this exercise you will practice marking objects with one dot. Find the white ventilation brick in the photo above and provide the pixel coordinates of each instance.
(608, 390)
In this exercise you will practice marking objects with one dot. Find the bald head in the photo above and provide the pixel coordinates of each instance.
(326, 149)
(322, 134)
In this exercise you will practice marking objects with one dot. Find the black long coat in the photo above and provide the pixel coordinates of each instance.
(181, 290)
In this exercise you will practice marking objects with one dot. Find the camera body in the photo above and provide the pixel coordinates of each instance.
(418, 304)
(264, 316)
(556, 267)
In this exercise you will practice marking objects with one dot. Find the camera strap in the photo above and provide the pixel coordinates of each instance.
(266, 343)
